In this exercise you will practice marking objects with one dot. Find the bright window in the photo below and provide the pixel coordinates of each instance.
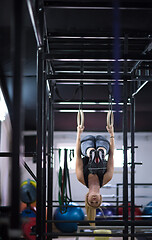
(3, 107)
(119, 157)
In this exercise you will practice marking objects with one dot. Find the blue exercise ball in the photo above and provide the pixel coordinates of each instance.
(148, 210)
(68, 214)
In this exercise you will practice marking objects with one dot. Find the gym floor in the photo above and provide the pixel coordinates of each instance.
(85, 238)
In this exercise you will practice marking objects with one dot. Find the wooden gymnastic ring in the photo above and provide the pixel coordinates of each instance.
(80, 118)
(110, 119)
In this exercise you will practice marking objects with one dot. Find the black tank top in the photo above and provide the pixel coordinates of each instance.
(100, 172)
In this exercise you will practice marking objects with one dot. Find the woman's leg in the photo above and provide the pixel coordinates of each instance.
(87, 144)
(102, 143)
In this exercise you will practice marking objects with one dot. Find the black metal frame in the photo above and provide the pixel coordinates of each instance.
(125, 143)
(14, 232)
(50, 159)
(45, 109)
(132, 124)
(88, 77)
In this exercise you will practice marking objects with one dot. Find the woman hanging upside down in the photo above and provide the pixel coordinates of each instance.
(92, 169)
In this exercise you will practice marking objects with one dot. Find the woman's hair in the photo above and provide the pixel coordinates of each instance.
(91, 211)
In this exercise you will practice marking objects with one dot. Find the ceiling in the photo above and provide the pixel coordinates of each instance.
(84, 39)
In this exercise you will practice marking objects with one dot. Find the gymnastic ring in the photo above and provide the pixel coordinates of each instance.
(80, 118)
(110, 118)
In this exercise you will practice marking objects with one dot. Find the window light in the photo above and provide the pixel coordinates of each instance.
(3, 107)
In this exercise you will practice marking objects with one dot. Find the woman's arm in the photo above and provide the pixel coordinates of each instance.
(79, 163)
(110, 164)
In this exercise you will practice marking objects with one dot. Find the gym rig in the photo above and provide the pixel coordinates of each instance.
(47, 80)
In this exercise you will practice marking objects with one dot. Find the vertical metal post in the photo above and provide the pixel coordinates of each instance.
(132, 124)
(117, 200)
(40, 122)
(125, 167)
(39, 143)
(44, 158)
(17, 118)
(50, 160)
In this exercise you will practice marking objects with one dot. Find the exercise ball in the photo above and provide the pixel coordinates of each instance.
(107, 212)
(68, 214)
(148, 210)
(28, 212)
(137, 212)
(28, 191)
